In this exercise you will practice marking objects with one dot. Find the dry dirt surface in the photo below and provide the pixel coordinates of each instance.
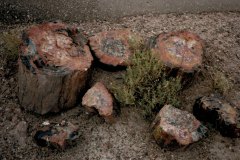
(130, 137)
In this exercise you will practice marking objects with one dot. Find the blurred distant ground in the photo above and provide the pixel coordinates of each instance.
(130, 137)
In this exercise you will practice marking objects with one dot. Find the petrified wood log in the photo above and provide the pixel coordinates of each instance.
(182, 50)
(53, 67)
(113, 47)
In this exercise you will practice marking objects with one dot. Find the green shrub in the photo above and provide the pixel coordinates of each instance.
(146, 84)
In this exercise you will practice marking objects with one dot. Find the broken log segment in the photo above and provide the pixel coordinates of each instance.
(113, 47)
(54, 64)
(99, 99)
(182, 50)
(218, 112)
(172, 124)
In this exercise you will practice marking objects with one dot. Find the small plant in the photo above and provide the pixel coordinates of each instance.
(146, 84)
(220, 82)
(11, 44)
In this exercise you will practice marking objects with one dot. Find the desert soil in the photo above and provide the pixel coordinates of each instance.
(130, 137)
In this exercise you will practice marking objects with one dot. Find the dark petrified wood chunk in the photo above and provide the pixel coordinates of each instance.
(57, 135)
(218, 112)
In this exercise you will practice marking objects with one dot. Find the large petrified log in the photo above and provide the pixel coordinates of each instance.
(113, 47)
(54, 64)
(182, 50)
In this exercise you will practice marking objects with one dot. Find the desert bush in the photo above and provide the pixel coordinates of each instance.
(147, 83)
(220, 82)
(11, 44)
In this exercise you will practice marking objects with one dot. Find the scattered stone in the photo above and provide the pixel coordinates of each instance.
(98, 98)
(20, 133)
(172, 124)
(46, 123)
(54, 65)
(183, 50)
(113, 47)
(58, 136)
(221, 114)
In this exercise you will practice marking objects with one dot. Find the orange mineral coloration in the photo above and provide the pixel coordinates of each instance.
(55, 45)
(181, 49)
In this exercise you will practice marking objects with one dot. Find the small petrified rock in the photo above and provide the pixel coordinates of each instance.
(113, 47)
(172, 124)
(218, 112)
(182, 50)
(98, 98)
(58, 136)
(54, 63)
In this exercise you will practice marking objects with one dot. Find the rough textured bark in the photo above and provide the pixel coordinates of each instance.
(53, 67)
(179, 50)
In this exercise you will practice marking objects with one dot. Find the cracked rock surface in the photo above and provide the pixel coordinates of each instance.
(174, 124)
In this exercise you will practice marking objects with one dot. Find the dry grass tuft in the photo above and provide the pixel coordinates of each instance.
(11, 44)
(220, 82)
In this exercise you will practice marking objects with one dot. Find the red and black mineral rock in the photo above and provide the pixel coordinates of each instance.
(172, 124)
(182, 50)
(221, 114)
(58, 136)
(113, 47)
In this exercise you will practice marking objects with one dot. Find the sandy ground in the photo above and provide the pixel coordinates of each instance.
(129, 137)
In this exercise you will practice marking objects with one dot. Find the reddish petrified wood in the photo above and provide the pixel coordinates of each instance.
(113, 47)
(57, 135)
(53, 67)
(182, 50)
(98, 98)
(172, 124)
